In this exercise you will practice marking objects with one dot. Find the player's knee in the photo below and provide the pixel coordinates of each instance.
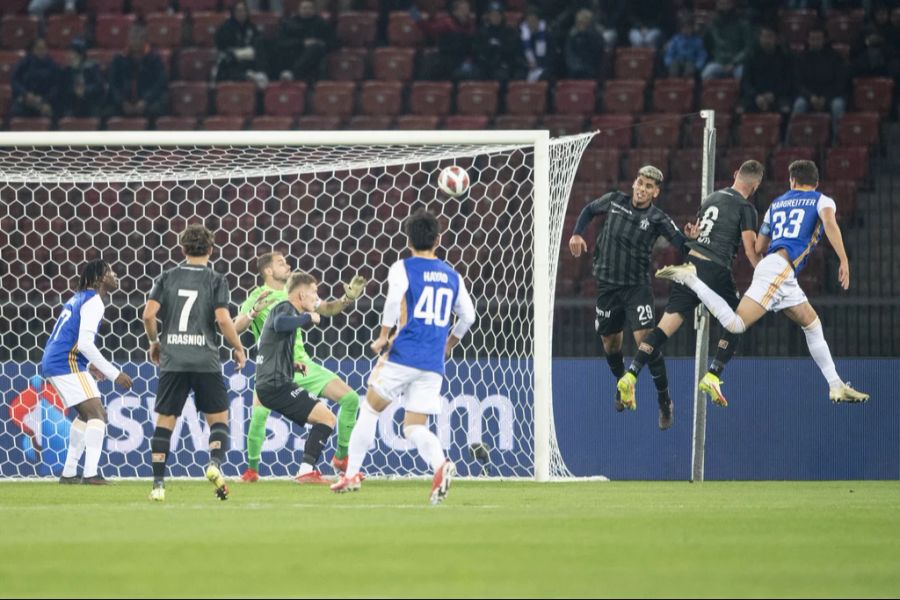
(409, 429)
(816, 323)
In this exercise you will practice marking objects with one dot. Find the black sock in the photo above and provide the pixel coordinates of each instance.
(726, 349)
(316, 439)
(652, 343)
(616, 364)
(657, 365)
(218, 443)
(159, 452)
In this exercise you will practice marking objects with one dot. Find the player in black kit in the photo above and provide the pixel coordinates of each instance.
(726, 220)
(190, 300)
(622, 270)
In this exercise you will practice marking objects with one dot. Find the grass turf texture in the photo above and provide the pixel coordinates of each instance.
(489, 540)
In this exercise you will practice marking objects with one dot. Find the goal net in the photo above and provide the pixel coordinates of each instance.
(333, 203)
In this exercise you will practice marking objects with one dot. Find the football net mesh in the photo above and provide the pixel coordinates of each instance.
(334, 212)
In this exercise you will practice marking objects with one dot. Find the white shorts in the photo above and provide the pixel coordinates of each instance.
(75, 388)
(416, 390)
(774, 284)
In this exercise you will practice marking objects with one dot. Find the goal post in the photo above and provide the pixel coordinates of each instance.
(334, 201)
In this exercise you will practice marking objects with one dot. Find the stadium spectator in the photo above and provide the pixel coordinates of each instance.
(302, 43)
(497, 49)
(238, 40)
(138, 86)
(685, 54)
(35, 83)
(38, 8)
(766, 84)
(729, 40)
(536, 42)
(82, 88)
(584, 48)
(454, 34)
(647, 21)
(874, 59)
(820, 78)
(610, 17)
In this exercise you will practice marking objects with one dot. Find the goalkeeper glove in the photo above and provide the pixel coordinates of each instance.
(355, 288)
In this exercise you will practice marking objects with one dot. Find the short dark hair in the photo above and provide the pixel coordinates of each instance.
(422, 229)
(751, 169)
(92, 274)
(298, 279)
(265, 261)
(804, 172)
(196, 240)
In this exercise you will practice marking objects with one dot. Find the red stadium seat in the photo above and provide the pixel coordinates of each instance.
(516, 122)
(658, 131)
(347, 64)
(634, 63)
(623, 96)
(393, 64)
(477, 98)
(285, 99)
(188, 99)
(843, 28)
(720, 95)
(319, 123)
(763, 129)
(105, 7)
(658, 157)
(687, 166)
(14, 6)
(404, 122)
(223, 123)
(148, 7)
(403, 31)
(111, 31)
(18, 31)
(575, 97)
(196, 64)
(333, 98)
(369, 122)
(357, 28)
(873, 94)
(526, 98)
(381, 98)
(430, 97)
(467, 122)
(615, 131)
(204, 26)
(164, 30)
(735, 157)
(811, 129)
(795, 25)
(270, 123)
(126, 124)
(600, 165)
(8, 61)
(78, 124)
(563, 124)
(673, 95)
(859, 129)
(783, 157)
(850, 164)
(62, 29)
(199, 5)
(29, 124)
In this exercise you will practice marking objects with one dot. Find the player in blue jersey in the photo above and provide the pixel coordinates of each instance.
(792, 227)
(423, 294)
(71, 358)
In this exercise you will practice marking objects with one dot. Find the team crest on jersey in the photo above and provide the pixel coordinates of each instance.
(645, 224)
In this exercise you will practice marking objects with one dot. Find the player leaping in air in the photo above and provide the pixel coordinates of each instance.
(428, 291)
(317, 380)
(69, 350)
(791, 229)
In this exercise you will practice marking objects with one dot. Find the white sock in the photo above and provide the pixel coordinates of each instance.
(362, 437)
(428, 445)
(94, 433)
(76, 448)
(304, 469)
(716, 305)
(818, 349)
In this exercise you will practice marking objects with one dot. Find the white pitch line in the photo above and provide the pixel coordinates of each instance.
(172, 505)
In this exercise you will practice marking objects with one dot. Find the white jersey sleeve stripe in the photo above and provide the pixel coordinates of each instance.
(398, 283)
(464, 309)
(91, 314)
(825, 202)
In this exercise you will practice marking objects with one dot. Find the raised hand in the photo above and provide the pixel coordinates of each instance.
(355, 288)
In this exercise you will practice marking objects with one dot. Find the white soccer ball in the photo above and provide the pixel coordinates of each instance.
(454, 181)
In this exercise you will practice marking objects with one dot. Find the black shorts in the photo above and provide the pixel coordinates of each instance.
(617, 304)
(174, 387)
(683, 300)
(291, 400)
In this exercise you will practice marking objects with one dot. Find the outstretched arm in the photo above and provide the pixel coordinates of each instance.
(352, 291)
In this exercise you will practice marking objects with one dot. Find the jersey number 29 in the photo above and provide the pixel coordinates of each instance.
(434, 306)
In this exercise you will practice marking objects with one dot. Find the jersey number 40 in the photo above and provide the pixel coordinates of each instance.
(434, 306)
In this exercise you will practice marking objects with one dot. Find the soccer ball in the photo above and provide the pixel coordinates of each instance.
(454, 181)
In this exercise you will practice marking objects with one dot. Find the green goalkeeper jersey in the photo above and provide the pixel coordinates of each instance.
(256, 325)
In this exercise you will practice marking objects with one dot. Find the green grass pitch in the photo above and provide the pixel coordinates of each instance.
(489, 539)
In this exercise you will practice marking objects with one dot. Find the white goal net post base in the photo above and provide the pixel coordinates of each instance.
(334, 203)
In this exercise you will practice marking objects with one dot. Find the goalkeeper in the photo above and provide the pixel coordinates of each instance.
(318, 381)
